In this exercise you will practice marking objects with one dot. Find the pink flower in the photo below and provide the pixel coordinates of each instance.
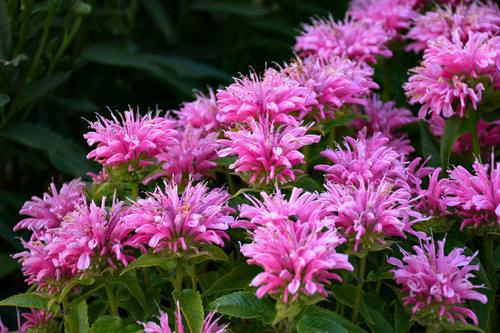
(3, 328)
(211, 325)
(200, 113)
(432, 201)
(464, 19)
(48, 212)
(266, 153)
(357, 40)
(435, 284)
(273, 95)
(296, 257)
(449, 79)
(336, 82)
(394, 15)
(169, 220)
(369, 212)
(193, 157)
(476, 197)
(35, 321)
(130, 139)
(301, 206)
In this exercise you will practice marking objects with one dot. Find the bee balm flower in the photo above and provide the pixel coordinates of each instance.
(200, 113)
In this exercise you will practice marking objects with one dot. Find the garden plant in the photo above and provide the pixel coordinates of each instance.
(297, 198)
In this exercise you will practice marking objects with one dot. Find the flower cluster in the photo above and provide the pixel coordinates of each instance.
(200, 113)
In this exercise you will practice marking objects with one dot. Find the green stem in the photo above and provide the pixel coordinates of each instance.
(194, 277)
(67, 38)
(359, 289)
(230, 183)
(25, 16)
(178, 275)
(289, 326)
(113, 308)
(487, 253)
(134, 192)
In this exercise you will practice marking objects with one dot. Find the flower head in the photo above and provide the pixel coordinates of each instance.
(274, 95)
(432, 200)
(452, 75)
(267, 153)
(36, 320)
(464, 19)
(48, 212)
(130, 139)
(435, 284)
(357, 40)
(200, 113)
(169, 220)
(296, 257)
(476, 197)
(369, 212)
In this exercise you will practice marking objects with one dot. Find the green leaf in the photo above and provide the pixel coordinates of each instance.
(429, 149)
(4, 99)
(402, 319)
(132, 328)
(191, 308)
(26, 300)
(42, 87)
(453, 129)
(226, 160)
(105, 324)
(208, 252)
(238, 278)
(460, 327)
(188, 68)
(150, 260)
(317, 311)
(307, 184)
(157, 12)
(246, 306)
(380, 324)
(77, 321)
(230, 7)
(317, 324)
(130, 282)
(83, 280)
(496, 258)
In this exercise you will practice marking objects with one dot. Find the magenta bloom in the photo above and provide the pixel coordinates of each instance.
(296, 257)
(476, 197)
(211, 325)
(36, 320)
(336, 82)
(464, 19)
(266, 153)
(275, 209)
(169, 220)
(369, 212)
(449, 79)
(200, 113)
(361, 40)
(432, 201)
(437, 285)
(368, 159)
(394, 15)
(193, 156)
(131, 138)
(48, 212)
(274, 95)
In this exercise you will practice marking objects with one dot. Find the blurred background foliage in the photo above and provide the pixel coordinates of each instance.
(61, 61)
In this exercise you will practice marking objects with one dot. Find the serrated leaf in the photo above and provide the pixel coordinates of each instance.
(42, 87)
(105, 324)
(130, 282)
(402, 319)
(149, 260)
(453, 129)
(317, 324)
(191, 308)
(324, 313)
(238, 278)
(246, 306)
(77, 320)
(26, 300)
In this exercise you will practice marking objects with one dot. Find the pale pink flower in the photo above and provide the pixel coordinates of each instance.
(300, 206)
(450, 77)
(200, 113)
(273, 95)
(266, 153)
(394, 15)
(211, 325)
(359, 40)
(443, 21)
(100, 177)
(194, 156)
(337, 81)
(476, 197)
(49, 210)
(130, 138)
(369, 212)
(169, 220)
(437, 285)
(297, 258)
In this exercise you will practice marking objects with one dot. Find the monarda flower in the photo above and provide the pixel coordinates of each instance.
(300, 206)
(452, 75)
(357, 40)
(436, 285)
(193, 157)
(200, 113)
(130, 139)
(432, 200)
(169, 220)
(476, 197)
(394, 15)
(37, 321)
(49, 210)
(336, 82)
(369, 213)
(464, 19)
(296, 257)
(273, 95)
(266, 153)
(368, 159)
